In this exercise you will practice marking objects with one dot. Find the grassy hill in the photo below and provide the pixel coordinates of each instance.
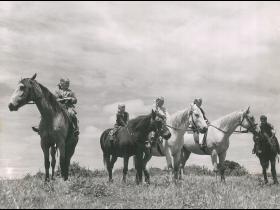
(89, 189)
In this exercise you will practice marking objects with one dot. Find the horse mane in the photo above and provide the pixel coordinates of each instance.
(178, 118)
(51, 98)
(139, 123)
(223, 121)
(48, 95)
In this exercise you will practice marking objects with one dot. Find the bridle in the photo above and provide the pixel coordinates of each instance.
(244, 116)
(196, 129)
(32, 97)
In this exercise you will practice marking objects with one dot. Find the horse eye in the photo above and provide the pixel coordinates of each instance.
(197, 115)
(22, 87)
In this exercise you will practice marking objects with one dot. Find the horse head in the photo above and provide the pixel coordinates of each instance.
(248, 121)
(25, 92)
(196, 119)
(159, 124)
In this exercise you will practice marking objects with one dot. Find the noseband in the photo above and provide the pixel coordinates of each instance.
(251, 125)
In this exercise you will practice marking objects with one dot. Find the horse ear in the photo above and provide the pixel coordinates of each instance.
(153, 114)
(248, 110)
(192, 107)
(34, 76)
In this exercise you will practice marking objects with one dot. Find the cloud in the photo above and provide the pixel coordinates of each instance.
(130, 53)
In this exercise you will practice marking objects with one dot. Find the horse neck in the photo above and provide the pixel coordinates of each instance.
(180, 121)
(144, 126)
(44, 106)
(229, 122)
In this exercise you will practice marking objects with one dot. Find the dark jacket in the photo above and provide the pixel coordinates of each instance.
(122, 119)
(267, 129)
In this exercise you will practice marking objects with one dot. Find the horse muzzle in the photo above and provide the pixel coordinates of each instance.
(148, 145)
(203, 130)
(13, 107)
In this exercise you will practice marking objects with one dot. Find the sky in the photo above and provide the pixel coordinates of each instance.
(226, 53)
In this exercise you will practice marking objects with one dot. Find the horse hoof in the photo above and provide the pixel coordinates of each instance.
(47, 179)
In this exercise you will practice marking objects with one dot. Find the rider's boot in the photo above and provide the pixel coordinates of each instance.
(75, 126)
(36, 129)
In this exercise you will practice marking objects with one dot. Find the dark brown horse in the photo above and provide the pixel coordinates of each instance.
(56, 129)
(130, 141)
(266, 151)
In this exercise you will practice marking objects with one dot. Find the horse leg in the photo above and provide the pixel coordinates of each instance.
(185, 155)
(169, 163)
(139, 168)
(177, 162)
(69, 152)
(222, 158)
(46, 151)
(107, 162)
(147, 158)
(111, 166)
(53, 153)
(214, 157)
(273, 171)
(62, 161)
(265, 165)
(125, 168)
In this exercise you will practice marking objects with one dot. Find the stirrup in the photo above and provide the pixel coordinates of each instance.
(35, 129)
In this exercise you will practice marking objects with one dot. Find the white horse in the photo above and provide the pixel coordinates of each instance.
(171, 149)
(217, 140)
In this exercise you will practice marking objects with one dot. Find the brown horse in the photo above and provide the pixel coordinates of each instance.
(56, 129)
(130, 141)
(266, 151)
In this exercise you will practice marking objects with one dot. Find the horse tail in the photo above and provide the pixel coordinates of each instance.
(104, 160)
(103, 137)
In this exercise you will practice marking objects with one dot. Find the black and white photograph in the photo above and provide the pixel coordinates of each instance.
(143, 105)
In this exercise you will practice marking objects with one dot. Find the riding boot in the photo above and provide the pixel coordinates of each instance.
(36, 129)
(75, 125)
(254, 150)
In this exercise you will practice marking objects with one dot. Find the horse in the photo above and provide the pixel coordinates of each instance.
(56, 130)
(130, 141)
(267, 153)
(217, 139)
(178, 123)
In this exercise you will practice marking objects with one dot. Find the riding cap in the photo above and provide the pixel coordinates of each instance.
(263, 117)
(121, 106)
(197, 101)
(64, 81)
(160, 99)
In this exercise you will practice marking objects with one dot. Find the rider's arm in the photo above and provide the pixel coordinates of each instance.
(73, 98)
(58, 95)
(127, 118)
(120, 120)
(272, 130)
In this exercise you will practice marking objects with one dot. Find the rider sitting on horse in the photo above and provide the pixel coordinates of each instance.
(122, 118)
(267, 130)
(160, 110)
(198, 103)
(67, 98)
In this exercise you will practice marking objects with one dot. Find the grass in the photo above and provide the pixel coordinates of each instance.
(89, 189)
